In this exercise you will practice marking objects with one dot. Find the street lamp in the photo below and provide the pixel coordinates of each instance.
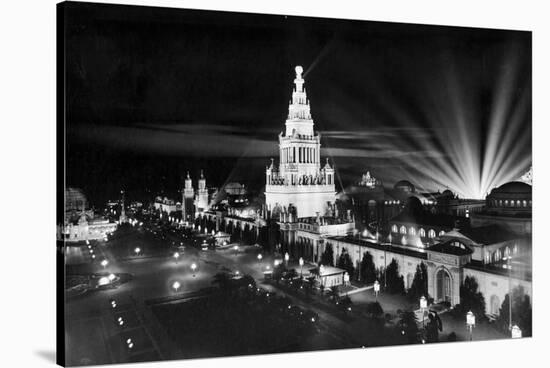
(137, 250)
(176, 256)
(193, 268)
(516, 332)
(301, 262)
(104, 263)
(509, 264)
(376, 289)
(423, 307)
(176, 285)
(111, 277)
(470, 322)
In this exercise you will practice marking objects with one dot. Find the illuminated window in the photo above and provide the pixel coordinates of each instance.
(394, 228)
(412, 231)
(422, 233)
(507, 251)
(524, 203)
(441, 233)
(403, 230)
(530, 203)
(515, 249)
(506, 203)
(431, 233)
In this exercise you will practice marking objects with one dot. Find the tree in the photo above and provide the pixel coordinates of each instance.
(471, 299)
(409, 326)
(367, 269)
(394, 281)
(521, 312)
(345, 262)
(374, 310)
(327, 258)
(419, 286)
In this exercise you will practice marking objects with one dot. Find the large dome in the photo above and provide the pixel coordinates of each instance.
(511, 197)
(513, 187)
(404, 185)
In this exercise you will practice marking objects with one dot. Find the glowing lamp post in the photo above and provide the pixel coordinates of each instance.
(176, 285)
(137, 250)
(301, 262)
(287, 257)
(423, 307)
(376, 289)
(470, 322)
(176, 256)
(193, 268)
(516, 332)
(104, 263)
(112, 277)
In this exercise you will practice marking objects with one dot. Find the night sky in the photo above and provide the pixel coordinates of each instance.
(153, 92)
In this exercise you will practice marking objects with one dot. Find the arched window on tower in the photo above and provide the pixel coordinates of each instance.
(394, 228)
(412, 231)
(422, 233)
(403, 230)
(431, 234)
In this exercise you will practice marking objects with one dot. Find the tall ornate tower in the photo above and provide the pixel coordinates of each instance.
(201, 202)
(299, 180)
(122, 217)
(187, 209)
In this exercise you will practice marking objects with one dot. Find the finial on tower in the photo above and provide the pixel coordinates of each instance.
(299, 70)
(202, 175)
(188, 177)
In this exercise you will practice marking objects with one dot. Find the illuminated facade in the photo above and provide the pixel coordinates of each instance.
(188, 194)
(299, 181)
(201, 200)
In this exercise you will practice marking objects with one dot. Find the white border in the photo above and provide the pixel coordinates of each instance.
(28, 179)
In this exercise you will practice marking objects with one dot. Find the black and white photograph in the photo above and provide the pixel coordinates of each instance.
(239, 184)
(289, 183)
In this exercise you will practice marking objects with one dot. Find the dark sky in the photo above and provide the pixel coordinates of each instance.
(153, 92)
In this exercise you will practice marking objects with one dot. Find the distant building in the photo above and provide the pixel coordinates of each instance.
(509, 205)
(81, 223)
(166, 205)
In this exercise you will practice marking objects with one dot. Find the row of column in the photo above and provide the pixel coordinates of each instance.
(306, 155)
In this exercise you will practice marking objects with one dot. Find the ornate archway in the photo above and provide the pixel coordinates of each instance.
(494, 305)
(443, 285)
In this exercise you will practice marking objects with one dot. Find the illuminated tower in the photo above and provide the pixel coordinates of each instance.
(299, 180)
(187, 200)
(201, 201)
(122, 217)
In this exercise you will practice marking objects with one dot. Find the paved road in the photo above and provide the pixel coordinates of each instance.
(93, 335)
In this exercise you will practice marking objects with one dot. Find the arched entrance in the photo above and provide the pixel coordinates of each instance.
(443, 286)
(495, 305)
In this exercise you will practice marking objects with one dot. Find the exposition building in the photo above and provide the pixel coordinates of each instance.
(489, 239)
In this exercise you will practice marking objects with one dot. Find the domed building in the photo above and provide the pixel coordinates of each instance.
(509, 205)
(510, 198)
(404, 186)
(80, 222)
